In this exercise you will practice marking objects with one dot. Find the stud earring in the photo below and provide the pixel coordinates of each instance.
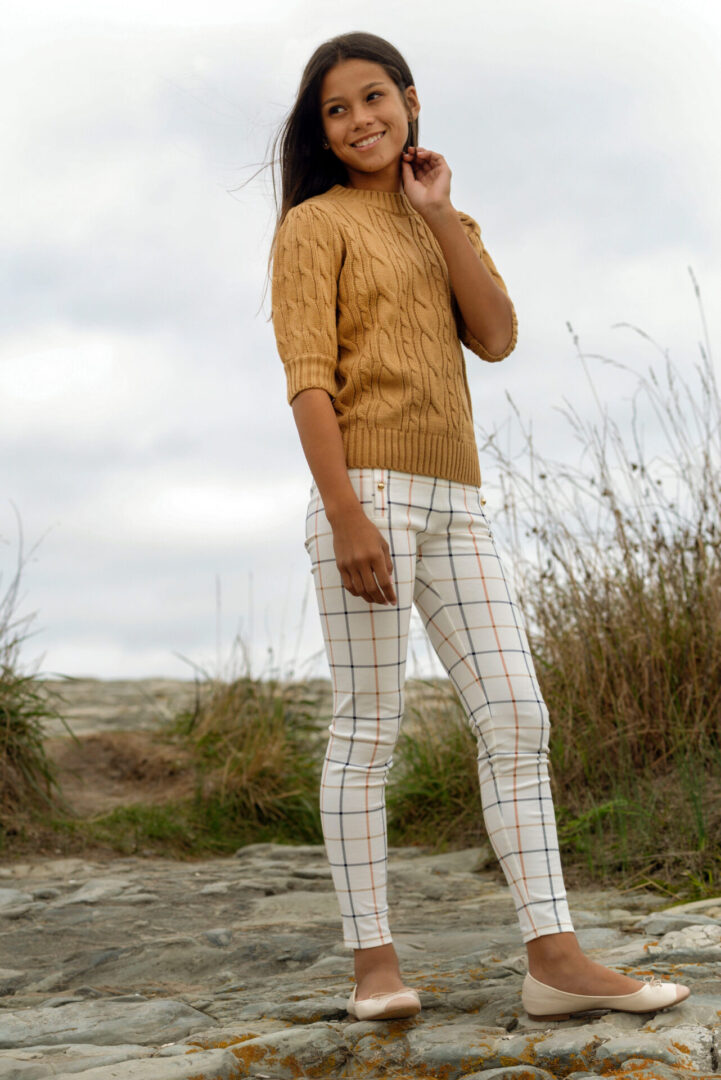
(326, 144)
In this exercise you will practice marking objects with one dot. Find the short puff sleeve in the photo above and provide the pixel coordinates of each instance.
(307, 259)
(473, 232)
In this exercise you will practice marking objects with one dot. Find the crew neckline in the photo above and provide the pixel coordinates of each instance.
(395, 201)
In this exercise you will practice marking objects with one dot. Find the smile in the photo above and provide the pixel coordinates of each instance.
(370, 140)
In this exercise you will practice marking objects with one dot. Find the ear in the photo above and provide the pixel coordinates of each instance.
(412, 103)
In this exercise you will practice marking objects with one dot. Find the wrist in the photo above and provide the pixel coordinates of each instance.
(440, 215)
(341, 510)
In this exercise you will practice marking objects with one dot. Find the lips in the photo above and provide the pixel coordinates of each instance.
(368, 141)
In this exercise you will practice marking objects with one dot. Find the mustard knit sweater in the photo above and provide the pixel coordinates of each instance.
(362, 307)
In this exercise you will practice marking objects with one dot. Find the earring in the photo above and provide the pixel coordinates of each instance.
(326, 144)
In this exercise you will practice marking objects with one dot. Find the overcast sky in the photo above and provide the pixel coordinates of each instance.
(145, 438)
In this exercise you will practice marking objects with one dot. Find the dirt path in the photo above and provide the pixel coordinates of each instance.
(118, 749)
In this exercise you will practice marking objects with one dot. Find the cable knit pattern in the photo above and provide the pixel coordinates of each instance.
(363, 308)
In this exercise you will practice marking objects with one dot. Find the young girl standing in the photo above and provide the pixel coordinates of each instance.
(377, 279)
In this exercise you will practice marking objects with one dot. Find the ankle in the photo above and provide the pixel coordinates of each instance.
(554, 950)
(381, 960)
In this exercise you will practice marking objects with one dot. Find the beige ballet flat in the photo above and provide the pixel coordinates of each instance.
(385, 1006)
(543, 1002)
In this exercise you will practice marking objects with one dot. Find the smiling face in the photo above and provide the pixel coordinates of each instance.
(365, 119)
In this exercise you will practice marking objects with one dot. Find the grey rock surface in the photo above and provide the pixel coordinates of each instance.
(149, 968)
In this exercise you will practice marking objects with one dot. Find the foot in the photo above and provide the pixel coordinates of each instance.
(581, 975)
(378, 982)
(377, 971)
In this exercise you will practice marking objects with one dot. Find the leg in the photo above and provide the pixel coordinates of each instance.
(477, 630)
(366, 648)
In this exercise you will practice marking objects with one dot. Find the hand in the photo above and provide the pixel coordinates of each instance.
(360, 550)
(426, 180)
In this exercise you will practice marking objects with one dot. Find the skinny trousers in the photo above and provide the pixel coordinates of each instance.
(446, 563)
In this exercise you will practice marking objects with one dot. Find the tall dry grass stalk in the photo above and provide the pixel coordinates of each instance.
(617, 561)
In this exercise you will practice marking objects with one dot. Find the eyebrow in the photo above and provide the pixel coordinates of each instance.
(376, 82)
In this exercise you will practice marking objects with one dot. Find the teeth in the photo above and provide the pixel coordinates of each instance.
(369, 140)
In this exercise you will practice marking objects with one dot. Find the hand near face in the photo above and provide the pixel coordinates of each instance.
(426, 180)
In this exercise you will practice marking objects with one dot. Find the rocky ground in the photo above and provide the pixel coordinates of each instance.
(147, 968)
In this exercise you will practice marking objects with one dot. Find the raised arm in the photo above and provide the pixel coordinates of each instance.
(485, 312)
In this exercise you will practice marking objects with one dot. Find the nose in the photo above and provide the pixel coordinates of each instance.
(361, 116)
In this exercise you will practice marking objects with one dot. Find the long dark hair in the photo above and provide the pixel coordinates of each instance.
(307, 169)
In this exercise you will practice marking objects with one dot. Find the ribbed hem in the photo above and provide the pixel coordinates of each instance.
(396, 202)
(424, 453)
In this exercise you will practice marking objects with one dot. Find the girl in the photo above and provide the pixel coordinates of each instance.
(377, 279)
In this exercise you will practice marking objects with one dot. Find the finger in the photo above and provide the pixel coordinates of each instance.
(372, 590)
(360, 588)
(383, 567)
(347, 582)
(389, 564)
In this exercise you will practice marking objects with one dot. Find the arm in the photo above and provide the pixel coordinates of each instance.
(489, 324)
(306, 263)
(360, 549)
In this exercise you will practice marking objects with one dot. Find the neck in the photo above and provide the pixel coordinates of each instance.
(386, 180)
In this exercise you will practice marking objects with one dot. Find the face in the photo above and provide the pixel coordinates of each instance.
(365, 119)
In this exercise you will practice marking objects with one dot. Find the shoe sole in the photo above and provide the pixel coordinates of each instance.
(560, 1016)
(599, 1008)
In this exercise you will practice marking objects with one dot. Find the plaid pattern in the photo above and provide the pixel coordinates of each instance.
(446, 563)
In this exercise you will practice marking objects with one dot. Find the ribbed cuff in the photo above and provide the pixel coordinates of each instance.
(303, 372)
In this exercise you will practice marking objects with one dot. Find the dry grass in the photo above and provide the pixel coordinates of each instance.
(618, 566)
(28, 782)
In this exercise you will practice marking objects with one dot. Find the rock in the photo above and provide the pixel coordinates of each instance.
(215, 888)
(661, 922)
(694, 937)
(570, 1049)
(375, 1050)
(310, 1010)
(100, 1022)
(710, 906)
(242, 958)
(703, 1010)
(511, 1072)
(220, 937)
(64, 1058)
(295, 907)
(10, 898)
(218, 1064)
(687, 1047)
(10, 979)
(599, 937)
(93, 891)
(454, 1048)
(281, 852)
(315, 1050)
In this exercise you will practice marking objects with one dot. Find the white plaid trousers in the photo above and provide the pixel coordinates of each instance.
(446, 563)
